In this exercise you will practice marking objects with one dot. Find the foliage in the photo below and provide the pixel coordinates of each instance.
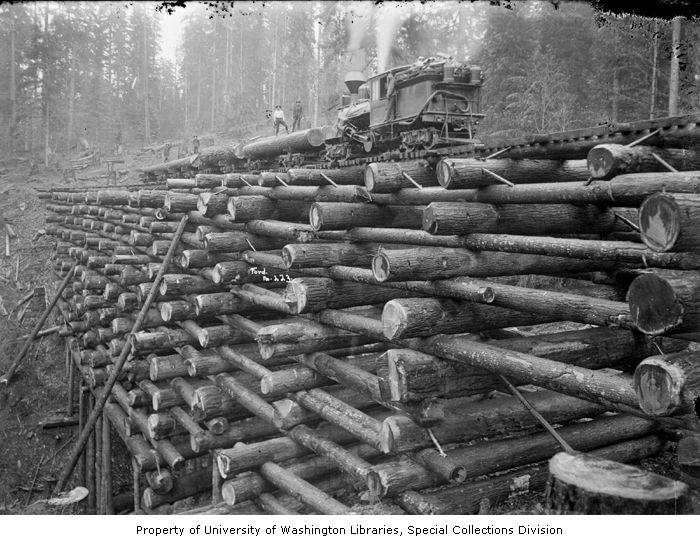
(95, 71)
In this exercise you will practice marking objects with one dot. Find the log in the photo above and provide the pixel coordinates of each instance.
(608, 160)
(599, 386)
(314, 176)
(422, 317)
(665, 300)
(297, 378)
(414, 376)
(325, 255)
(186, 485)
(389, 177)
(243, 456)
(232, 242)
(212, 204)
(324, 216)
(247, 208)
(669, 222)
(302, 490)
(585, 484)
(213, 157)
(669, 383)
(174, 285)
(464, 173)
(603, 250)
(521, 219)
(221, 303)
(688, 453)
(464, 419)
(467, 498)
(297, 142)
(312, 294)
(466, 463)
(428, 263)
(180, 202)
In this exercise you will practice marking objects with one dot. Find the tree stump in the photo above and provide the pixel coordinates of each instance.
(584, 484)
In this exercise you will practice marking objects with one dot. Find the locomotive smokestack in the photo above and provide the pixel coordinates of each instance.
(354, 76)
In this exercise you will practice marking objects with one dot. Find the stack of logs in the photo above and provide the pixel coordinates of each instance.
(335, 341)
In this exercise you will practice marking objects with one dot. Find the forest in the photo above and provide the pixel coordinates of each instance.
(95, 73)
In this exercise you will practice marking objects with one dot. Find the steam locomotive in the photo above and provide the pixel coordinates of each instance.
(435, 103)
(420, 109)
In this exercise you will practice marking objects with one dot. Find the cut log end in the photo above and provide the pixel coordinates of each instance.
(381, 268)
(658, 387)
(654, 306)
(659, 223)
(444, 173)
(394, 319)
(315, 218)
(600, 162)
(370, 177)
(228, 494)
(580, 483)
(287, 257)
(375, 485)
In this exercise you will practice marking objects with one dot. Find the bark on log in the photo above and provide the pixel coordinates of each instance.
(325, 255)
(669, 384)
(427, 468)
(296, 142)
(389, 177)
(411, 317)
(467, 498)
(231, 242)
(247, 208)
(185, 486)
(314, 294)
(608, 160)
(315, 176)
(670, 222)
(329, 216)
(603, 250)
(541, 219)
(468, 419)
(585, 484)
(428, 263)
(457, 173)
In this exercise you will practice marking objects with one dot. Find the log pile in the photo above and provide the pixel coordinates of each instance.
(319, 347)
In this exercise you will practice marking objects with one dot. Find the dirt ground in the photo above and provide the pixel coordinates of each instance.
(30, 457)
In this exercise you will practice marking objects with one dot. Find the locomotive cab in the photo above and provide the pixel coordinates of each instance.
(437, 101)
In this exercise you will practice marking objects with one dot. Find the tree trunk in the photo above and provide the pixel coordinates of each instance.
(13, 85)
(654, 68)
(585, 484)
(144, 74)
(674, 78)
